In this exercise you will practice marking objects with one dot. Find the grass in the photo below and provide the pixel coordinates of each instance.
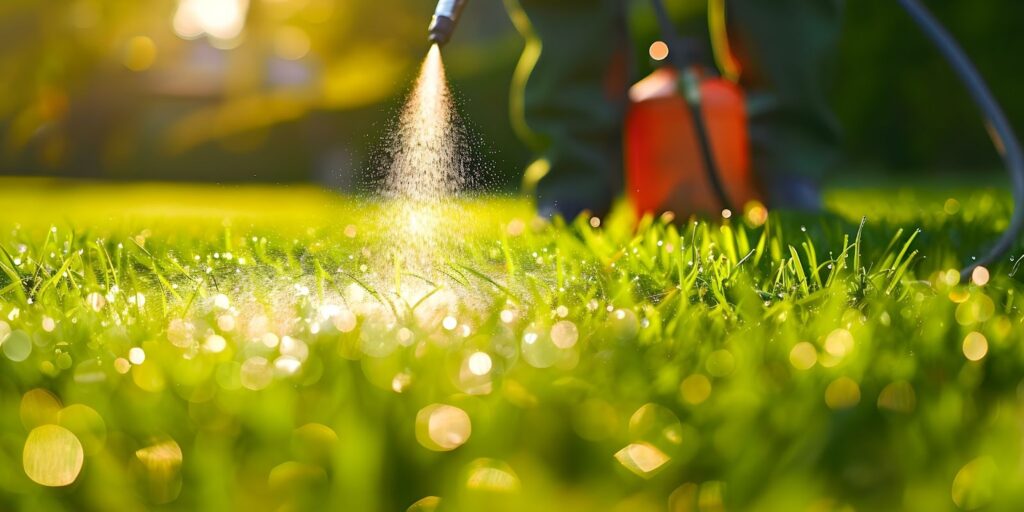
(196, 347)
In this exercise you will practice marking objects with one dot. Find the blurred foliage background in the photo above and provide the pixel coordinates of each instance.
(302, 90)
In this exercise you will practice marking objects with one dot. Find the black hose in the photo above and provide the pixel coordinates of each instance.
(1002, 133)
(683, 59)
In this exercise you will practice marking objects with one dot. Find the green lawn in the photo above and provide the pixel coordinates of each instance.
(182, 347)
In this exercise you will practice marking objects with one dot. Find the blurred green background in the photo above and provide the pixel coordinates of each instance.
(303, 90)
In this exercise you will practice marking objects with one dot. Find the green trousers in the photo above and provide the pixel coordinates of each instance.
(569, 92)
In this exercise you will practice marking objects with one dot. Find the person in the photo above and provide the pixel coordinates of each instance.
(569, 97)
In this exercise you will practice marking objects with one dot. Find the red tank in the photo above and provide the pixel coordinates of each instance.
(664, 165)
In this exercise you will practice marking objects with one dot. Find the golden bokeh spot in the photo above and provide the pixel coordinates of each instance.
(442, 428)
(428, 504)
(643, 459)
(38, 407)
(86, 424)
(695, 389)
(898, 397)
(756, 213)
(951, 206)
(803, 356)
(980, 276)
(721, 363)
(973, 485)
(295, 477)
(149, 377)
(162, 464)
(139, 53)
(842, 393)
(53, 456)
(656, 424)
(490, 475)
(975, 346)
(658, 50)
(839, 343)
(977, 308)
(564, 334)
(291, 43)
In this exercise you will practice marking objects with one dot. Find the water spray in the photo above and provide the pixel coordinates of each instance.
(446, 16)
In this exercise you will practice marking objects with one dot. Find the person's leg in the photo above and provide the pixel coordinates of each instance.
(568, 101)
(787, 50)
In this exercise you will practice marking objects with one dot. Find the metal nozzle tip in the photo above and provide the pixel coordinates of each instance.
(441, 29)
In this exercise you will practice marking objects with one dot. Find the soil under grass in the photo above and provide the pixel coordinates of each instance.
(215, 348)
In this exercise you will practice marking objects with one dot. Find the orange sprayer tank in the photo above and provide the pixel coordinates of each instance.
(664, 166)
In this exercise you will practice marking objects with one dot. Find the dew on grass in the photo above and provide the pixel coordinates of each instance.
(52, 456)
(442, 428)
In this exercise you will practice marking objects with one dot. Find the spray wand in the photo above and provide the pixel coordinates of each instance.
(446, 16)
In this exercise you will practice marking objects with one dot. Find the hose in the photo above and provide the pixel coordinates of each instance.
(1003, 136)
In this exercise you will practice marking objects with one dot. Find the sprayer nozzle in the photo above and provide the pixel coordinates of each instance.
(446, 16)
(441, 29)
